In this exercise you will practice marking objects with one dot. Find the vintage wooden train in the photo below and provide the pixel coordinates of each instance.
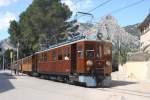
(84, 61)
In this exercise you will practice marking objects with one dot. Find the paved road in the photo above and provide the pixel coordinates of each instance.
(30, 88)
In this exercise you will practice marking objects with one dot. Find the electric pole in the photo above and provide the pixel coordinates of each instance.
(18, 50)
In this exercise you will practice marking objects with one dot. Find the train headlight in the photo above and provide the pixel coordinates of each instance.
(89, 63)
(88, 68)
(108, 63)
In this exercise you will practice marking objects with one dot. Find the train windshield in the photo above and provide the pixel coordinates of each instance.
(90, 54)
(107, 50)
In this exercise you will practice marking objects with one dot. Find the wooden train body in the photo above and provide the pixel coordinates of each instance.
(84, 61)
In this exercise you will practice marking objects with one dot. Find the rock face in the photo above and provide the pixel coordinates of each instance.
(5, 44)
(133, 29)
(108, 29)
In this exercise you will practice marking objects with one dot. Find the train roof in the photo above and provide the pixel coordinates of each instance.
(65, 44)
(27, 56)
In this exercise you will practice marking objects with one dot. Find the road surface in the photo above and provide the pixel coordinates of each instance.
(30, 88)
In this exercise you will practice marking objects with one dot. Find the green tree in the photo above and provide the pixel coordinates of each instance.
(42, 22)
(14, 31)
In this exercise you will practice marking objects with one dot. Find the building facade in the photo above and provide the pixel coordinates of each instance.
(145, 34)
(138, 65)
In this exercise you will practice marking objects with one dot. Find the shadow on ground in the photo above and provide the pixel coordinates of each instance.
(116, 83)
(5, 84)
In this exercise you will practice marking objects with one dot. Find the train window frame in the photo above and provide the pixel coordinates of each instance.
(107, 50)
(87, 53)
(54, 55)
(30, 60)
(66, 53)
(26, 61)
(99, 52)
(60, 56)
(45, 57)
(80, 52)
(40, 58)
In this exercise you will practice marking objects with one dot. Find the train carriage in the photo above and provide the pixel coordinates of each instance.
(82, 61)
(27, 64)
(54, 61)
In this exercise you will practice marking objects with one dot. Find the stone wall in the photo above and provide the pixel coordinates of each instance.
(138, 56)
(137, 70)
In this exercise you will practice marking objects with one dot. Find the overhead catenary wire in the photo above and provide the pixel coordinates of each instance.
(128, 6)
(125, 7)
(117, 10)
(100, 5)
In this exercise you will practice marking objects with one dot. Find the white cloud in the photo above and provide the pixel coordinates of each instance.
(83, 5)
(6, 2)
(5, 20)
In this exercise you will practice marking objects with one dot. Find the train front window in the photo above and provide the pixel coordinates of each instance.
(90, 54)
(107, 50)
(99, 52)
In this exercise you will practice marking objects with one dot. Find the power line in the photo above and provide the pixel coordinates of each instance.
(99, 6)
(125, 7)
(128, 6)
(117, 10)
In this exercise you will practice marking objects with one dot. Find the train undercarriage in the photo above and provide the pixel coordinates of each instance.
(82, 79)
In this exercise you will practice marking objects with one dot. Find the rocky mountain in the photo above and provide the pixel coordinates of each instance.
(6, 44)
(108, 29)
(133, 29)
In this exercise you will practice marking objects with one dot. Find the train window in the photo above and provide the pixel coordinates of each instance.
(40, 58)
(99, 52)
(80, 52)
(66, 53)
(60, 54)
(54, 55)
(90, 54)
(107, 50)
(25, 61)
(45, 57)
(30, 60)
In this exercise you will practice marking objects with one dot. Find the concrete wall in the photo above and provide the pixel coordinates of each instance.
(137, 70)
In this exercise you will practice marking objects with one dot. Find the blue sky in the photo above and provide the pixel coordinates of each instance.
(11, 9)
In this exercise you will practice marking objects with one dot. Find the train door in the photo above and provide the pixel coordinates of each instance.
(34, 63)
(73, 58)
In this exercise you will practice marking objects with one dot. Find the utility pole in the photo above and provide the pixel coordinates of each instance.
(11, 58)
(18, 50)
(3, 61)
(0, 54)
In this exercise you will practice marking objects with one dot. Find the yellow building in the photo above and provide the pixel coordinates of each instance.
(138, 65)
(145, 34)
